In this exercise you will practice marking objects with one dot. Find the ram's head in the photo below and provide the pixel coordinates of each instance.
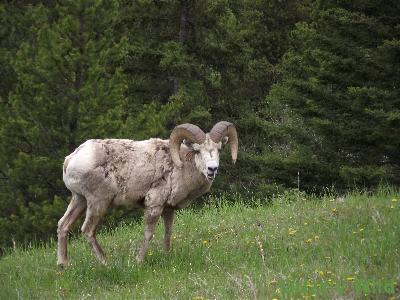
(205, 147)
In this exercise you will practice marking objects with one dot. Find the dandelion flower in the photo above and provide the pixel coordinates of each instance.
(205, 242)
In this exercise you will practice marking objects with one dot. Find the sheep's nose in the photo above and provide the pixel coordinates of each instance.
(212, 170)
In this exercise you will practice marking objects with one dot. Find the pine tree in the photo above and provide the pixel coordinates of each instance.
(206, 61)
(339, 79)
(70, 88)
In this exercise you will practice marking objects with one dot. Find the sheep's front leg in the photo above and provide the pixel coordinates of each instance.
(151, 215)
(168, 216)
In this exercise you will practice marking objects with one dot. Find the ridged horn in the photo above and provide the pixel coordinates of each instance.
(223, 129)
(181, 132)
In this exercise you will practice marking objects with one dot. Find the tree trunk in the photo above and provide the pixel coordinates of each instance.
(183, 34)
(77, 84)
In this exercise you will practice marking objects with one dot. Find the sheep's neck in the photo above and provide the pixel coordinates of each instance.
(188, 183)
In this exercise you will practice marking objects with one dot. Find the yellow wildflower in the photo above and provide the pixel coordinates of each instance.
(350, 278)
(205, 242)
(321, 273)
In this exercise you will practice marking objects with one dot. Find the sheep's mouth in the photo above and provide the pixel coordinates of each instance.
(210, 177)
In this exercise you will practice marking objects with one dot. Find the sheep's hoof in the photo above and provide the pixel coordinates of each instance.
(139, 259)
(62, 265)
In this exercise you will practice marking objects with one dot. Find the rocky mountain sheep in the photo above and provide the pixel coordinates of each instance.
(157, 175)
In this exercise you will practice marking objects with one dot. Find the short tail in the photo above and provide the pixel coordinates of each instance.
(65, 166)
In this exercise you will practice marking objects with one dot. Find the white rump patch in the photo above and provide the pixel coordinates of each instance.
(79, 162)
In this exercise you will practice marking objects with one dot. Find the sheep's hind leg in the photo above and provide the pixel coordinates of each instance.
(74, 210)
(151, 216)
(168, 217)
(93, 217)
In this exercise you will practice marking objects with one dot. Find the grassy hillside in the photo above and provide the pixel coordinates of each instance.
(296, 247)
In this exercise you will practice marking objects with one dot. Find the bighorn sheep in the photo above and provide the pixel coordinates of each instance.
(157, 175)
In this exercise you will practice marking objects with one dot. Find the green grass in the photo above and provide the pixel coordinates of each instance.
(305, 248)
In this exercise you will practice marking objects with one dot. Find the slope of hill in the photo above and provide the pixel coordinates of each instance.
(301, 248)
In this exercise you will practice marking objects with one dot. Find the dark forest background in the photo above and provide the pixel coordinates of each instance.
(311, 85)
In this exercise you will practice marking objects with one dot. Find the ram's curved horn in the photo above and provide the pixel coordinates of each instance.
(222, 129)
(181, 132)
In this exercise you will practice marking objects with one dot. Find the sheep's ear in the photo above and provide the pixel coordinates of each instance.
(187, 143)
(225, 140)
